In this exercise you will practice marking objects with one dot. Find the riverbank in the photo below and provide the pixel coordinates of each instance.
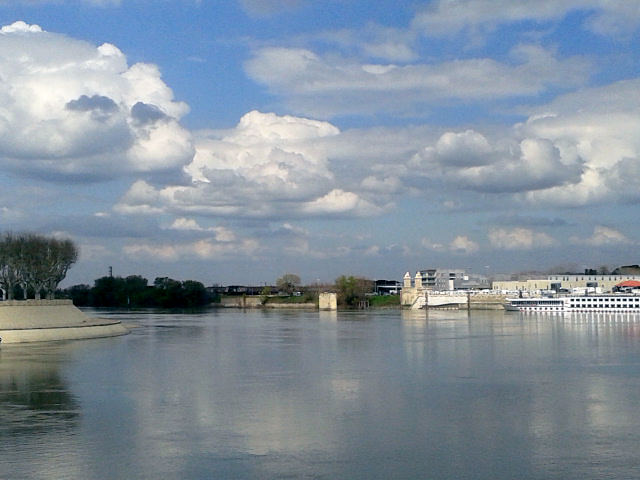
(245, 301)
(25, 321)
(471, 302)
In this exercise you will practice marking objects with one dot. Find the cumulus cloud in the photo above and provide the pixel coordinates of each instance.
(328, 85)
(20, 27)
(470, 161)
(221, 234)
(72, 110)
(600, 129)
(268, 167)
(463, 245)
(603, 236)
(519, 239)
(581, 149)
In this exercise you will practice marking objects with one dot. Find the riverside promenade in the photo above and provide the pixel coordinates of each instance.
(25, 321)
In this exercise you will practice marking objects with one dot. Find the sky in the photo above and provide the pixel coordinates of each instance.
(232, 142)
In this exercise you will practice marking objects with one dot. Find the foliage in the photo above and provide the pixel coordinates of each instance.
(81, 295)
(352, 289)
(264, 294)
(134, 292)
(34, 262)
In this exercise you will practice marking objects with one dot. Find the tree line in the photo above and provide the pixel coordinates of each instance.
(34, 263)
(134, 291)
(349, 289)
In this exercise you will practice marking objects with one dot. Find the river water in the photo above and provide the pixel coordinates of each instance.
(392, 394)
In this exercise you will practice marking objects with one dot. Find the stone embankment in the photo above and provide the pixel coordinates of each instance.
(481, 301)
(487, 302)
(23, 321)
(257, 302)
(453, 301)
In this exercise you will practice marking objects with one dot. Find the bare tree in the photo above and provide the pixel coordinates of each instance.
(35, 261)
(36, 252)
(60, 255)
(288, 282)
(11, 269)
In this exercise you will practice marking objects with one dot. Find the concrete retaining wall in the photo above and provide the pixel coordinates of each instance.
(328, 301)
(48, 320)
(256, 302)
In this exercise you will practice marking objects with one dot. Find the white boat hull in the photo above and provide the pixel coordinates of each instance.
(577, 304)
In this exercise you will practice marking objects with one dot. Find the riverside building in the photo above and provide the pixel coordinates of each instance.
(569, 283)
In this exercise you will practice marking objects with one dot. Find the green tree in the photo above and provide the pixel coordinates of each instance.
(168, 292)
(265, 294)
(80, 295)
(136, 291)
(194, 294)
(352, 289)
(108, 292)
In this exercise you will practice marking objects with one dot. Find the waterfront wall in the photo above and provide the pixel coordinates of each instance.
(256, 302)
(414, 295)
(24, 321)
(486, 301)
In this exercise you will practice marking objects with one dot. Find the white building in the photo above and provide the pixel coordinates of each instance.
(442, 279)
(602, 283)
(439, 280)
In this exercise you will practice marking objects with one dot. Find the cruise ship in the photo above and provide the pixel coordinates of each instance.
(614, 303)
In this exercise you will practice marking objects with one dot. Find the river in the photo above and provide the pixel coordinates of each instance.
(389, 394)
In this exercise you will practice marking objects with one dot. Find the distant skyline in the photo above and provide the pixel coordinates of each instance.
(233, 142)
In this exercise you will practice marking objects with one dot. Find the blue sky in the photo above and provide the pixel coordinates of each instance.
(233, 142)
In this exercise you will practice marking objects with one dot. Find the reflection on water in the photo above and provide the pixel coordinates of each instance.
(33, 397)
(367, 394)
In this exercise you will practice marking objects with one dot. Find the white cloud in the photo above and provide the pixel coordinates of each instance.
(444, 17)
(20, 27)
(581, 149)
(206, 249)
(463, 245)
(374, 41)
(69, 108)
(325, 86)
(221, 234)
(268, 167)
(340, 202)
(519, 239)
(429, 245)
(598, 127)
(469, 160)
(602, 237)
(186, 224)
